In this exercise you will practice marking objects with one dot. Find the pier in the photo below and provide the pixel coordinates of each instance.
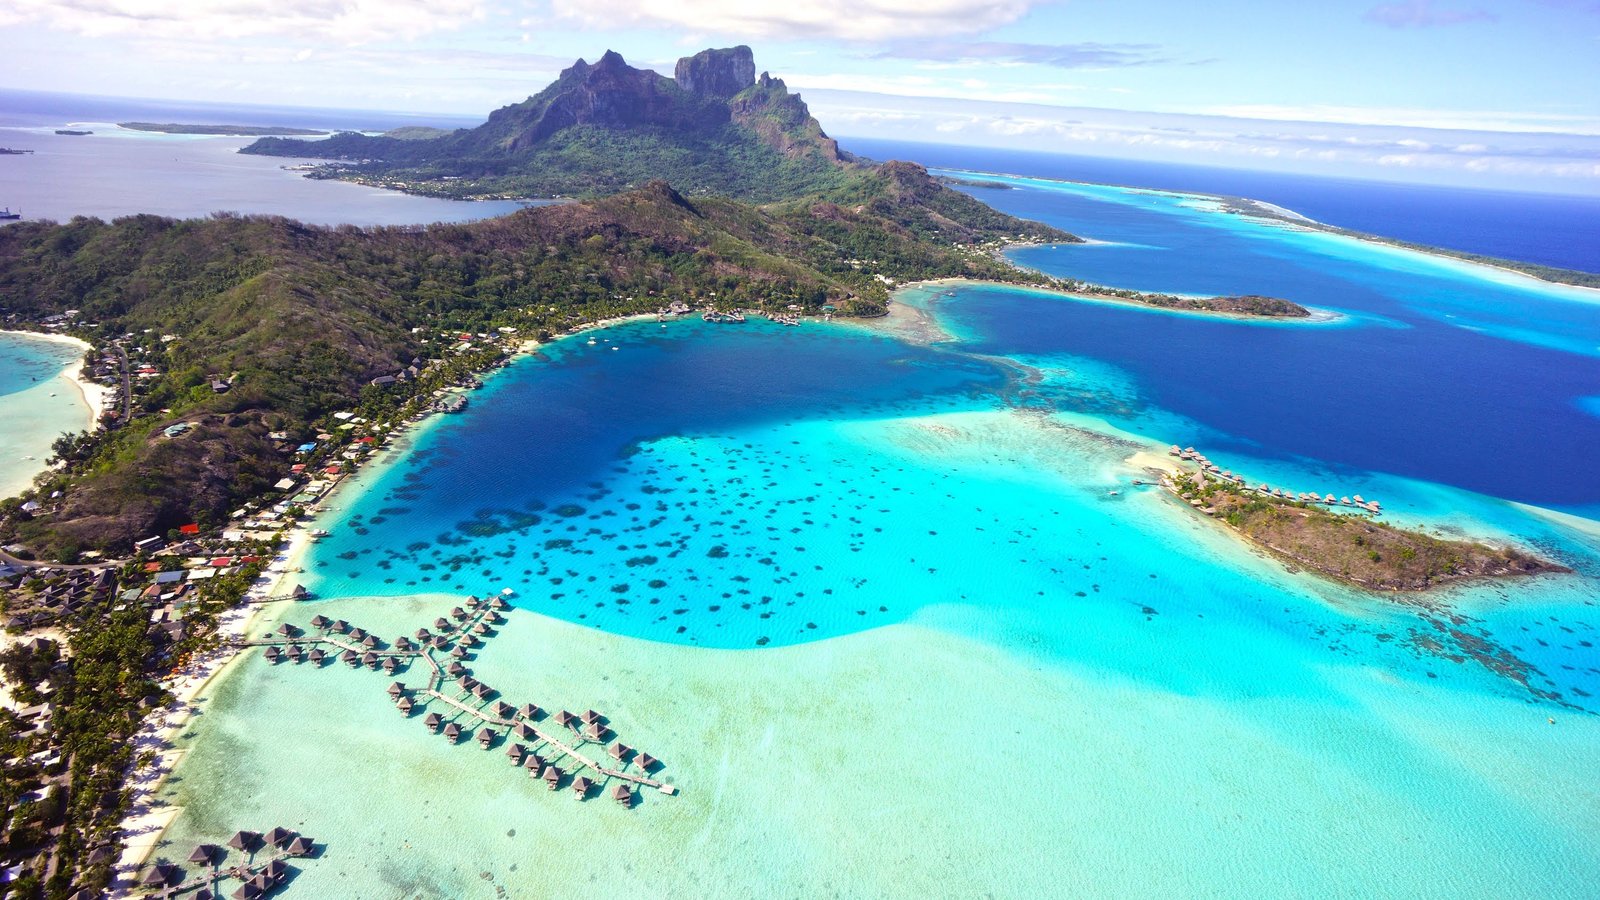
(257, 876)
(451, 684)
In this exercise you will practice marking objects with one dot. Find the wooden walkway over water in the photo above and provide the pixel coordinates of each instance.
(471, 628)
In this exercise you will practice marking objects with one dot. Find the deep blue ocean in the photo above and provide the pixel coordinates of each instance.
(1539, 228)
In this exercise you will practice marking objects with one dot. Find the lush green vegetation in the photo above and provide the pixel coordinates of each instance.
(599, 129)
(299, 319)
(581, 161)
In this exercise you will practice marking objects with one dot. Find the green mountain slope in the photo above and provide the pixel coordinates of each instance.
(600, 128)
(302, 318)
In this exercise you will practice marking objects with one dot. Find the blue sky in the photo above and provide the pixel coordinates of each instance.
(1497, 93)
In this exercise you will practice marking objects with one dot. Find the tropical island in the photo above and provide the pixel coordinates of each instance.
(258, 361)
(224, 130)
(1355, 549)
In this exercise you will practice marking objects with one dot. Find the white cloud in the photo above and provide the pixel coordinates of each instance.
(854, 20)
(1469, 120)
(341, 21)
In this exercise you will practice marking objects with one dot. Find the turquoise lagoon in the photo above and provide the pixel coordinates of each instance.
(38, 401)
(899, 622)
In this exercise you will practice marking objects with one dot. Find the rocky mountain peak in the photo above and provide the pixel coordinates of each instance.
(718, 73)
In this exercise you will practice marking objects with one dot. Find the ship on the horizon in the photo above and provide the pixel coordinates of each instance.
(8, 214)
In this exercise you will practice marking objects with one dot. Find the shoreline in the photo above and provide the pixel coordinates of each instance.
(96, 397)
(1272, 212)
(1318, 316)
(144, 824)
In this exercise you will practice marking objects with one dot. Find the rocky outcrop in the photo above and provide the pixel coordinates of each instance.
(608, 94)
(717, 74)
(782, 120)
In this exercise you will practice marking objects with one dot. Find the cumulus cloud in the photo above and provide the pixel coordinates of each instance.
(1486, 159)
(1423, 14)
(342, 21)
(1084, 55)
(854, 20)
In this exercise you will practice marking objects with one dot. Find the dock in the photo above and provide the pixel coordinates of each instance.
(468, 628)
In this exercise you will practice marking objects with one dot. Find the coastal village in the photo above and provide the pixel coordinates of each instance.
(188, 595)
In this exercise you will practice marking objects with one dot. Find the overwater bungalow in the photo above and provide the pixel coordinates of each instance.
(565, 718)
(646, 761)
(454, 669)
(293, 653)
(622, 794)
(396, 688)
(247, 891)
(202, 894)
(482, 691)
(534, 763)
(594, 731)
(590, 717)
(619, 751)
(442, 624)
(440, 642)
(316, 656)
(525, 731)
(497, 603)
(458, 652)
(288, 630)
(452, 732)
(466, 682)
(529, 711)
(424, 634)
(390, 664)
(458, 613)
(205, 854)
(357, 634)
(244, 841)
(320, 621)
(468, 640)
(161, 875)
(552, 776)
(300, 846)
(433, 720)
(369, 659)
(485, 738)
(276, 870)
(405, 705)
(515, 753)
(581, 787)
(340, 626)
(350, 658)
(271, 653)
(494, 618)
(369, 642)
(504, 710)
(279, 836)
(403, 644)
(263, 883)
